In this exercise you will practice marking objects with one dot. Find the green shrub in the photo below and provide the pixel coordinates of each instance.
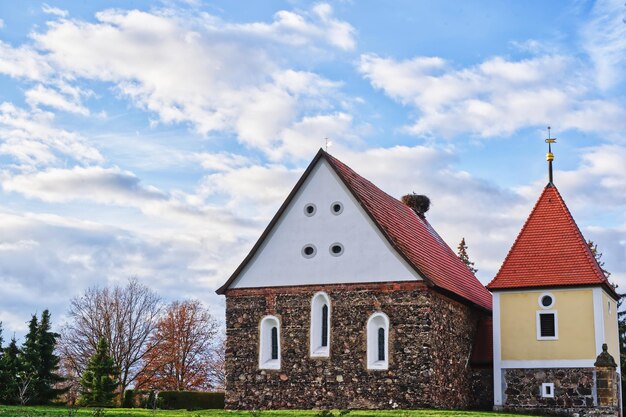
(129, 399)
(191, 400)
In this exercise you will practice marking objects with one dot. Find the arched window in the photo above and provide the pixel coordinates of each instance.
(269, 343)
(320, 325)
(378, 341)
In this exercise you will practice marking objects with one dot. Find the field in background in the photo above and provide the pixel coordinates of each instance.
(15, 411)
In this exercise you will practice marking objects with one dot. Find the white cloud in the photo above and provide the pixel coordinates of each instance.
(44, 96)
(253, 192)
(197, 69)
(32, 140)
(23, 62)
(301, 29)
(495, 97)
(54, 10)
(604, 39)
(93, 184)
(19, 245)
(71, 255)
(221, 161)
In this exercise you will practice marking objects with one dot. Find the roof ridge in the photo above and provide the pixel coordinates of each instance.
(454, 277)
(545, 189)
(550, 250)
(583, 242)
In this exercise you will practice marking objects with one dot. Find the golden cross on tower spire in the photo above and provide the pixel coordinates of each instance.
(550, 155)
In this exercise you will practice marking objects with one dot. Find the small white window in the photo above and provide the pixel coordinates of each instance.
(310, 209)
(309, 250)
(320, 325)
(546, 300)
(269, 343)
(609, 306)
(336, 249)
(547, 325)
(378, 341)
(547, 390)
(336, 208)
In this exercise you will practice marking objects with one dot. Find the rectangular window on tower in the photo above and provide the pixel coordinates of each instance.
(547, 325)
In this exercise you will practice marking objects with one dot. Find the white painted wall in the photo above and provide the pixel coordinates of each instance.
(367, 257)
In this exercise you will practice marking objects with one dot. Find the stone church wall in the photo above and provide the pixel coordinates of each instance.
(574, 392)
(430, 343)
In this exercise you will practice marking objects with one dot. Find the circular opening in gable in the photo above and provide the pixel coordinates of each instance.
(309, 251)
(336, 249)
(336, 208)
(546, 300)
(310, 209)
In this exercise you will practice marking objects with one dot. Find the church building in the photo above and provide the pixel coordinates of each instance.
(350, 299)
(553, 311)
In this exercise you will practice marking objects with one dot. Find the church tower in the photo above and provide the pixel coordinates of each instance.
(553, 310)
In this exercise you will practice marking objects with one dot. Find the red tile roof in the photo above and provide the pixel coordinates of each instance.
(550, 251)
(412, 236)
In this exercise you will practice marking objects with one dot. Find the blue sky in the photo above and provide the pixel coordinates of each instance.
(157, 139)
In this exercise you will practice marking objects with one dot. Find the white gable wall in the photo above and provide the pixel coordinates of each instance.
(367, 257)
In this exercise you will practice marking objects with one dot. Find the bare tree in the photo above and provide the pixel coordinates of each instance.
(182, 349)
(24, 390)
(217, 368)
(125, 317)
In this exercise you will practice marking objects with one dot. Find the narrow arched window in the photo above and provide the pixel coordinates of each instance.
(274, 343)
(378, 341)
(320, 325)
(325, 325)
(269, 343)
(381, 344)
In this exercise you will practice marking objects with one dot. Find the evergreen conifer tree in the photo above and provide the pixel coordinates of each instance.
(4, 375)
(462, 252)
(47, 376)
(13, 367)
(99, 380)
(30, 363)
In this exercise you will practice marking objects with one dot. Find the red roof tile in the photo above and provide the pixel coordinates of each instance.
(414, 238)
(550, 251)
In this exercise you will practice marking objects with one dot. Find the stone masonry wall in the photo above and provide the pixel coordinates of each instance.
(573, 391)
(430, 341)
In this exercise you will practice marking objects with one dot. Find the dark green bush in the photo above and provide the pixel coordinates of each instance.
(191, 400)
(129, 399)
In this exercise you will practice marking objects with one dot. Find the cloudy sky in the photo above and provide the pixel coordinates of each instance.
(157, 139)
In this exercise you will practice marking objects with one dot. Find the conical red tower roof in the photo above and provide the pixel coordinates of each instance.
(550, 251)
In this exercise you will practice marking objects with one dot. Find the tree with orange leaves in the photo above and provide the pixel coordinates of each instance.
(182, 354)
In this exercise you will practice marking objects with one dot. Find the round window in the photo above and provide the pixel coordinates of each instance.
(310, 209)
(336, 208)
(309, 251)
(546, 300)
(336, 249)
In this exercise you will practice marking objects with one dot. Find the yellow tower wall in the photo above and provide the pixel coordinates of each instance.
(610, 325)
(575, 324)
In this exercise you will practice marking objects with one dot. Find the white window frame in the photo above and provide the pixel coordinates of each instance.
(315, 342)
(556, 325)
(544, 393)
(265, 343)
(541, 297)
(375, 321)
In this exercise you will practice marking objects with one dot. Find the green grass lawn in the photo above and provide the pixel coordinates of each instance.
(15, 411)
